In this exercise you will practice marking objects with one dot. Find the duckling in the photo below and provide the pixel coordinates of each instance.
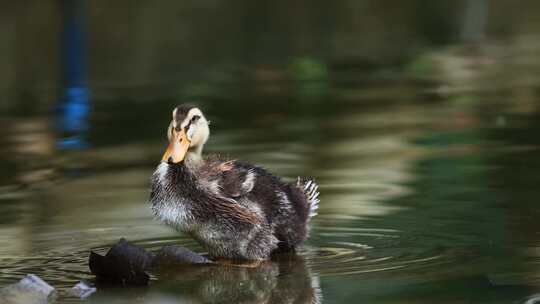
(235, 210)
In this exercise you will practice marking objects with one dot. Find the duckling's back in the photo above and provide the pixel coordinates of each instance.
(287, 207)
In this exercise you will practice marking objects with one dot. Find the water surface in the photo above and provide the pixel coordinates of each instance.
(424, 199)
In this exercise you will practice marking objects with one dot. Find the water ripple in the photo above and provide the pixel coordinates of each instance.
(341, 254)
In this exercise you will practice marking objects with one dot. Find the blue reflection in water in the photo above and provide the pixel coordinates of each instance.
(72, 116)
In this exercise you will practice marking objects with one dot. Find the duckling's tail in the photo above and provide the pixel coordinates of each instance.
(310, 189)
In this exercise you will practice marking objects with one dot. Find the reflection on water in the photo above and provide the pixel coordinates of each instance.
(285, 279)
(420, 201)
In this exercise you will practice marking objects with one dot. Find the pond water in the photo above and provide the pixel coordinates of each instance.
(424, 198)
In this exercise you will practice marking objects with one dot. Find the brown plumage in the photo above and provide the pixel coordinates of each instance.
(235, 210)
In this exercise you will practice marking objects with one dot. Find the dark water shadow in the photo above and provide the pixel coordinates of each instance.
(285, 279)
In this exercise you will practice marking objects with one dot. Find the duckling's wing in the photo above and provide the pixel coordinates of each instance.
(237, 181)
(227, 178)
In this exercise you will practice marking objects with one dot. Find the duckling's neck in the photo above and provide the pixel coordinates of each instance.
(194, 158)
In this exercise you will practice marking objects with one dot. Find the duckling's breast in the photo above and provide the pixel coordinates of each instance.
(168, 204)
(174, 213)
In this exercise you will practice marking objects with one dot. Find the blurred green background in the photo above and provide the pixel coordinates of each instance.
(195, 49)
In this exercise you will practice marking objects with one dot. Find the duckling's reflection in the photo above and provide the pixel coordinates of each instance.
(284, 279)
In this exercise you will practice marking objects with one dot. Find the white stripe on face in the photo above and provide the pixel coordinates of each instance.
(189, 116)
(197, 131)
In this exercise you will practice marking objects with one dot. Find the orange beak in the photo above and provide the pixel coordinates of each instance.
(177, 149)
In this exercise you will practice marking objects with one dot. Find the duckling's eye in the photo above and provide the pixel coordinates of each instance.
(195, 118)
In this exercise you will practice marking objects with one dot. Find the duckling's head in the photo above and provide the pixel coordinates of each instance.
(187, 133)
